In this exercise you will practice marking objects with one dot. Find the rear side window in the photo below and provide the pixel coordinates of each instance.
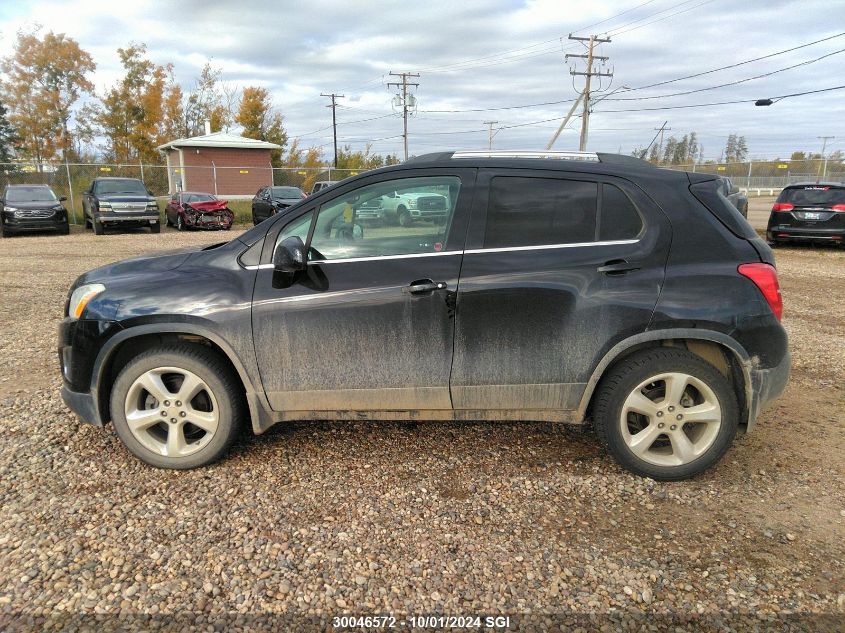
(710, 194)
(813, 195)
(619, 218)
(540, 211)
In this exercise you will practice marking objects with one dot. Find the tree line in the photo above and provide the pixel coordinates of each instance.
(50, 109)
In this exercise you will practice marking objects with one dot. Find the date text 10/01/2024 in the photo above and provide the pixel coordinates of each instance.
(421, 622)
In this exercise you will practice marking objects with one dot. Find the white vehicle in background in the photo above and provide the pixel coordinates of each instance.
(406, 207)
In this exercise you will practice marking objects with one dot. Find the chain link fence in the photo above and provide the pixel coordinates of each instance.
(71, 179)
(761, 177)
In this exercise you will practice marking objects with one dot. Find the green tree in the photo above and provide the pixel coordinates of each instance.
(45, 77)
(205, 103)
(8, 140)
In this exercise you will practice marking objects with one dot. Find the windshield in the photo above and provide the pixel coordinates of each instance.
(130, 185)
(201, 197)
(287, 192)
(813, 195)
(30, 194)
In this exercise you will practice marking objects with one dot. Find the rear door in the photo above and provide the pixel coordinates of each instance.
(558, 269)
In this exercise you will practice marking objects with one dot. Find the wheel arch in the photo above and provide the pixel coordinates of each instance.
(132, 341)
(718, 349)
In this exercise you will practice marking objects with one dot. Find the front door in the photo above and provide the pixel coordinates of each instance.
(558, 268)
(370, 324)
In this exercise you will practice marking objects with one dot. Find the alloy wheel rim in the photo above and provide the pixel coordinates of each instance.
(670, 419)
(171, 411)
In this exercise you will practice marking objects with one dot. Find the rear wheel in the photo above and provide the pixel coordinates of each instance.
(666, 414)
(404, 216)
(177, 407)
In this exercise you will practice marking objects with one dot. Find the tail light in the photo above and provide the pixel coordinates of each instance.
(839, 207)
(782, 206)
(765, 277)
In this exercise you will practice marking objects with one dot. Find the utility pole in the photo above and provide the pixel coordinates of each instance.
(589, 74)
(824, 140)
(660, 131)
(404, 99)
(490, 125)
(334, 98)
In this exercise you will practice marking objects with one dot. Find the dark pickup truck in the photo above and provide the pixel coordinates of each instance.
(119, 202)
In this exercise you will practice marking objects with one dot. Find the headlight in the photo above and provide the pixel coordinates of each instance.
(412, 203)
(12, 210)
(80, 298)
(152, 206)
(104, 205)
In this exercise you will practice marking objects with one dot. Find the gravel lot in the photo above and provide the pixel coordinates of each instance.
(314, 520)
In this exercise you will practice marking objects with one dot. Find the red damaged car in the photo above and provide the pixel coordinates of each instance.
(194, 210)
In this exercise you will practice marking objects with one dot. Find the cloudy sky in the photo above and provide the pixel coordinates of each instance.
(479, 58)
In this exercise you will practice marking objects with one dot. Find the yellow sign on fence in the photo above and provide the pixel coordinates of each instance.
(105, 168)
(721, 168)
(244, 171)
(783, 166)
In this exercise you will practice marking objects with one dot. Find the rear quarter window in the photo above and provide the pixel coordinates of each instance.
(619, 218)
(710, 194)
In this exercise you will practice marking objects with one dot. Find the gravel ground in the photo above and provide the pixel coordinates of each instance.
(314, 520)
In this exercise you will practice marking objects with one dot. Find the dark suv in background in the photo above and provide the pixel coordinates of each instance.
(119, 203)
(32, 208)
(560, 286)
(809, 211)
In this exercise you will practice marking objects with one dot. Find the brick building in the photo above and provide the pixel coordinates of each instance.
(220, 163)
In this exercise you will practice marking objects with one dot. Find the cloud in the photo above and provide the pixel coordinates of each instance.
(484, 54)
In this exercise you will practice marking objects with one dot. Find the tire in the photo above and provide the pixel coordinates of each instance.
(4, 232)
(405, 218)
(155, 228)
(681, 450)
(99, 229)
(218, 397)
(65, 230)
(180, 225)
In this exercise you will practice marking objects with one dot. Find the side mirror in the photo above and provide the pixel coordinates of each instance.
(734, 189)
(62, 198)
(290, 256)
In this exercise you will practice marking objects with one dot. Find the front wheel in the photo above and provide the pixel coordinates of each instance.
(666, 414)
(405, 218)
(65, 229)
(180, 223)
(99, 229)
(177, 407)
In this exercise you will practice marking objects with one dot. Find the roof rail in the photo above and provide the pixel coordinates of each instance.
(588, 156)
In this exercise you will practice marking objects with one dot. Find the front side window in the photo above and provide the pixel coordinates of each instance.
(395, 217)
(540, 211)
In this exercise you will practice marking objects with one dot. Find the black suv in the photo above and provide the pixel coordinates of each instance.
(561, 287)
(808, 211)
(269, 201)
(32, 208)
(119, 202)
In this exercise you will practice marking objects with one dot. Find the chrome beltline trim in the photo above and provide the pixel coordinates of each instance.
(472, 251)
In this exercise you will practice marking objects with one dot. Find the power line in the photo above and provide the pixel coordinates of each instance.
(742, 63)
(704, 105)
(732, 83)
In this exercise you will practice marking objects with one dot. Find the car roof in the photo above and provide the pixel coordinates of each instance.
(21, 185)
(116, 178)
(195, 193)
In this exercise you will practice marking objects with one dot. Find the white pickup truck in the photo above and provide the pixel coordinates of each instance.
(404, 208)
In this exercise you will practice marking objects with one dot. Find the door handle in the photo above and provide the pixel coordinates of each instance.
(617, 267)
(422, 286)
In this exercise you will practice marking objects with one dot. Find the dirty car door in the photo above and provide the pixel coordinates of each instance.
(558, 268)
(370, 324)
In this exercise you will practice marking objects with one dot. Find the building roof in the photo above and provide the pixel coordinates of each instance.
(219, 139)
